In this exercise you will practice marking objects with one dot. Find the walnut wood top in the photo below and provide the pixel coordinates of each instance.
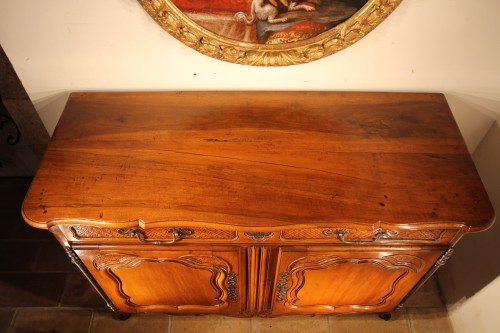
(254, 160)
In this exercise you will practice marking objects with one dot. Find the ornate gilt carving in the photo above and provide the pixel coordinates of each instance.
(174, 21)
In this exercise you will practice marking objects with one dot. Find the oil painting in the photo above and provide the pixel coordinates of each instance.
(269, 21)
(269, 32)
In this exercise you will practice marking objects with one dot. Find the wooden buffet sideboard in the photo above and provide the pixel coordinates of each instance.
(257, 203)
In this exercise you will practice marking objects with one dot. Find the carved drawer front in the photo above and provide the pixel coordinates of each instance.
(309, 282)
(350, 234)
(168, 281)
(162, 235)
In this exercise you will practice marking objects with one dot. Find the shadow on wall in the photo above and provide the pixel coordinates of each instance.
(23, 137)
(50, 105)
(474, 263)
(474, 115)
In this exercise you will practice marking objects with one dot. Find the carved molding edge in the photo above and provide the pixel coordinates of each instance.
(219, 268)
(439, 263)
(257, 277)
(175, 22)
(403, 263)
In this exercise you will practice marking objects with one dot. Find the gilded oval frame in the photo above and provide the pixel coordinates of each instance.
(180, 26)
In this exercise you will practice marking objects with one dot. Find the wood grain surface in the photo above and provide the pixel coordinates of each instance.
(247, 160)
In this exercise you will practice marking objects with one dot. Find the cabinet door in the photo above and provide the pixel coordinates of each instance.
(337, 281)
(171, 281)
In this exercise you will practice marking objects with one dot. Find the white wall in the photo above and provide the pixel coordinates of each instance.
(57, 46)
(476, 261)
(449, 46)
(480, 313)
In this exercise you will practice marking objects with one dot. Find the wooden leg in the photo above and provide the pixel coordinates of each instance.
(121, 316)
(385, 316)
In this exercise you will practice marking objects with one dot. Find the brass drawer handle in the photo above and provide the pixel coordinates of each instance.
(259, 236)
(141, 236)
(379, 234)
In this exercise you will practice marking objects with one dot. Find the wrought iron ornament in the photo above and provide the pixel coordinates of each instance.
(439, 263)
(75, 260)
(444, 258)
(12, 139)
(232, 281)
(282, 286)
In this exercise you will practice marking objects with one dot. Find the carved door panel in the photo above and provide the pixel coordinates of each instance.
(310, 281)
(173, 281)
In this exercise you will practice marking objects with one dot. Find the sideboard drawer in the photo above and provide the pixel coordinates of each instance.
(351, 233)
(83, 233)
(337, 234)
